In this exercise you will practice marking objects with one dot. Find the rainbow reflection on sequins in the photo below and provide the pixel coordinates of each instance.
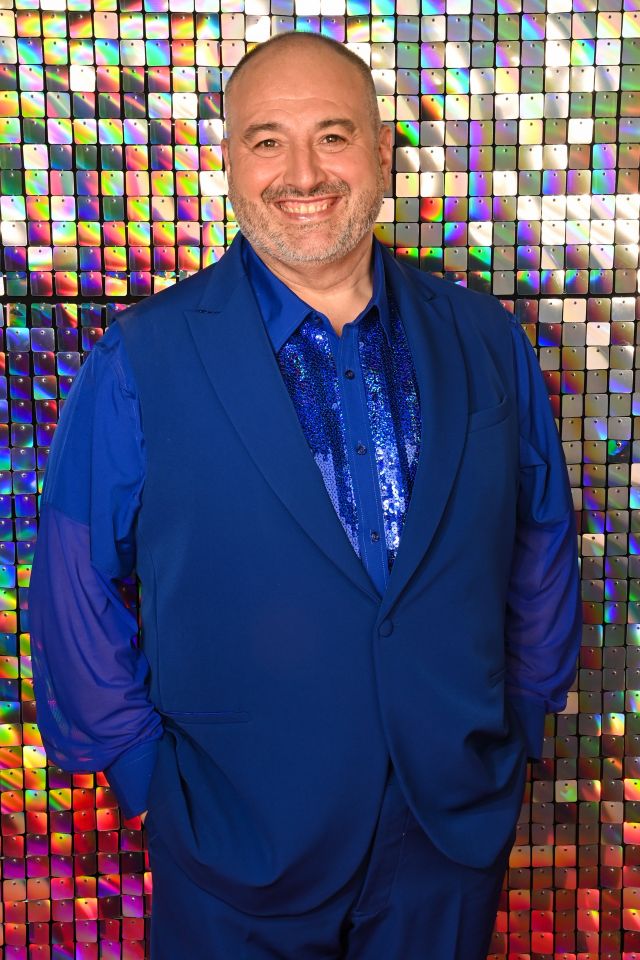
(308, 368)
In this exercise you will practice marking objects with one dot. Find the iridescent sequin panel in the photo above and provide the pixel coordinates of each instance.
(516, 172)
(394, 417)
(309, 372)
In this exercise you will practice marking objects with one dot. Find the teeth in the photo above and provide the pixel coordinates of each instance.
(306, 207)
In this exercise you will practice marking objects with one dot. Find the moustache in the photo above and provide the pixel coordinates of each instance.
(338, 187)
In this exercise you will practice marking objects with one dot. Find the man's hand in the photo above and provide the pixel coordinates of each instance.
(143, 816)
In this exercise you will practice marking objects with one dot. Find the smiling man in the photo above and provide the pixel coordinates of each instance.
(340, 484)
(308, 162)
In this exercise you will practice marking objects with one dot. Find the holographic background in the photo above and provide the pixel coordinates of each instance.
(517, 128)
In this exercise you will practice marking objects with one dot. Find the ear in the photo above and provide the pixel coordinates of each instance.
(385, 153)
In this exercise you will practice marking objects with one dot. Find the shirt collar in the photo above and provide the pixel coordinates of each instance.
(283, 310)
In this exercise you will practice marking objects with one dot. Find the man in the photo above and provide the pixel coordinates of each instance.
(342, 489)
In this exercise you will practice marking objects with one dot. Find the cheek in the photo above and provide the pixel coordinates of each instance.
(360, 175)
(250, 179)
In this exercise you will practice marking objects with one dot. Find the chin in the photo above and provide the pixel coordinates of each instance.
(312, 255)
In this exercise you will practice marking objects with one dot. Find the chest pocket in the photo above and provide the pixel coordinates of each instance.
(489, 416)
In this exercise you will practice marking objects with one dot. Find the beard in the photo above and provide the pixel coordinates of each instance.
(308, 242)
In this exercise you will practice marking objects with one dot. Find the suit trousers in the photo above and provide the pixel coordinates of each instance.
(406, 901)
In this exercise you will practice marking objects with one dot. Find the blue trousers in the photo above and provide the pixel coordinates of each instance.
(407, 901)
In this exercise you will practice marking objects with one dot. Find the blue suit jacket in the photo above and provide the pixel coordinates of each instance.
(284, 680)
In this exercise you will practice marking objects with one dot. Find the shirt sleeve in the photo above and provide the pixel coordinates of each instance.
(89, 673)
(544, 619)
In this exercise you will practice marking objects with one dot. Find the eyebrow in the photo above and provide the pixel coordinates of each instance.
(273, 127)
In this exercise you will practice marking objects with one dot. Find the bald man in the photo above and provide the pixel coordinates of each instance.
(340, 484)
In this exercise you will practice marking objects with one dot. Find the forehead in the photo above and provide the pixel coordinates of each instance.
(298, 77)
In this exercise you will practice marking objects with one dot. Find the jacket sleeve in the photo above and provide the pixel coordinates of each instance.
(90, 675)
(543, 617)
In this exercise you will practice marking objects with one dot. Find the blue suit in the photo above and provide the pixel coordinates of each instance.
(285, 692)
(285, 683)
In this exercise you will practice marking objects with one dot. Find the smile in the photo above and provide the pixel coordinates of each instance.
(303, 208)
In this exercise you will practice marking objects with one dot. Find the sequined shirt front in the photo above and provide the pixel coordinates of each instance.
(357, 401)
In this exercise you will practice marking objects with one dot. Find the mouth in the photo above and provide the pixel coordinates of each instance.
(316, 209)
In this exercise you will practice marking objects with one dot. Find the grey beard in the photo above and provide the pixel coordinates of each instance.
(258, 229)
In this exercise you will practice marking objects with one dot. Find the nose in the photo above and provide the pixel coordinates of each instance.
(303, 168)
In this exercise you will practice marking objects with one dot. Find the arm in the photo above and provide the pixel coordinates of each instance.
(543, 623)
(90, 677)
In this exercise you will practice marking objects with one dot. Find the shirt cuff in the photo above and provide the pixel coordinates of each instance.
(130, 775)
(531, 713)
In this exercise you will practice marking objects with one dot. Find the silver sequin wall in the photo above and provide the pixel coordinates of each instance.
(517, 133)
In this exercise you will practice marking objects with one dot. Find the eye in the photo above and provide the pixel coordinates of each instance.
(334, 141)
(267, 144)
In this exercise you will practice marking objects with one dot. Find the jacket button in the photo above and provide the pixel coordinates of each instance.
(386, 628)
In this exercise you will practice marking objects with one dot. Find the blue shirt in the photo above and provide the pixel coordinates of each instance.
(357, 402)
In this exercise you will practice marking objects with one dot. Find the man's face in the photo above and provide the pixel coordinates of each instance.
(305, 170)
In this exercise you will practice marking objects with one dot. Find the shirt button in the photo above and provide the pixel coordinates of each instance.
(360, 448)
(386, 628)
(349, 374)
(375, 536)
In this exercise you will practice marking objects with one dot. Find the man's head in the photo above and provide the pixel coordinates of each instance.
(302, 124)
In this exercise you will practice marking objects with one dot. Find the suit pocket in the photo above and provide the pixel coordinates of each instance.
(489, 415)
(208, 716)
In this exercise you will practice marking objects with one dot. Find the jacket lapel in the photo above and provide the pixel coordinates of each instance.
(430, 326)
(235, 350)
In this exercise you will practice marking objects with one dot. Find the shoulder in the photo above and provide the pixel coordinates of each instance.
(148, 328)
(162, 307)
(471, 309)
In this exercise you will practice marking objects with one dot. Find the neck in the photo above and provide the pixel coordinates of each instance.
(329, 285)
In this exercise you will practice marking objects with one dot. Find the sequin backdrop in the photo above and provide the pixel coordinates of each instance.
(517, 131)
